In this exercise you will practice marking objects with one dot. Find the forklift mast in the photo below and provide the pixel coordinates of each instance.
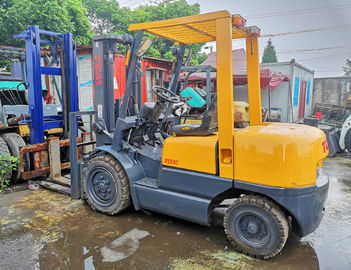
(105, 48)
(63, 52)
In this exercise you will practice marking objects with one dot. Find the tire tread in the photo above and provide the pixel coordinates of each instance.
(270, 207)
(123, 178)
(348, 141)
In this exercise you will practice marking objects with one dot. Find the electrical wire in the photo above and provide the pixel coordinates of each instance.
(312, 50)
(320, 57)
(338, 27)
(297, 11)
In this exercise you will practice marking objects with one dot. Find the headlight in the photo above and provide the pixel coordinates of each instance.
(322, 177)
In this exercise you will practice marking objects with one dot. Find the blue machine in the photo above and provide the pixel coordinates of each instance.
(63, 52)
(24, 115)
(196, 100)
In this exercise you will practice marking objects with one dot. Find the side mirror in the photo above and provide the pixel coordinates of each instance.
(144, 47)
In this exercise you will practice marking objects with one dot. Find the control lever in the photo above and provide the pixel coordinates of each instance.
(99, 128)
(136, 109)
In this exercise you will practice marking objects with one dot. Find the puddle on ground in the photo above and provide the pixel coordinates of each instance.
(123, 246)
(47, 230)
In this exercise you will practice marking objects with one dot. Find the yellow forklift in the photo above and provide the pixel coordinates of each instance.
(273, 171)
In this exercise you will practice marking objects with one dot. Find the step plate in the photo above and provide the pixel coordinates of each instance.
(148, 182)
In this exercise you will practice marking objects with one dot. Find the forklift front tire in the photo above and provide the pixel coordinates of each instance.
(106, 186)
(256, 226)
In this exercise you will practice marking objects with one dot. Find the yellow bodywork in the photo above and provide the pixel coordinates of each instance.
(278, 154)
(191, 153)
(23, 130)
(221, 27)
(274, 154)
(190, 29)
(54, 130)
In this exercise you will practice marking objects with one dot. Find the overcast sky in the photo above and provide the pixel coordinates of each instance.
(277, 17)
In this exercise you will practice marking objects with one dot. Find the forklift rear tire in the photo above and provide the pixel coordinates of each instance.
(14, 142)
(106, 185)
(348, 141)
(4, 150)
(256, 226)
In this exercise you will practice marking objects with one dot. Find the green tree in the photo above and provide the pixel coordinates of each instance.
(269, 53)
(107, 17)
(100, 13)
(54, 15)
(202, 57)
(347, 68)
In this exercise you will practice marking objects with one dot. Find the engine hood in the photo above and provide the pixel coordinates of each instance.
(279, 154)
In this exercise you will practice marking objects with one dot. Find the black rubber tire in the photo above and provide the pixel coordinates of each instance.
(14, 141)
(5, 150)
(348, 141)
(113, 170)
(337, 138)
(274, 222)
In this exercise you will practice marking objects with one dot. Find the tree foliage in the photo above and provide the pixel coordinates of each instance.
(269, 53)
(107, 17)
(60, 16)
(347, 68)
(101, 16)
(202, 57)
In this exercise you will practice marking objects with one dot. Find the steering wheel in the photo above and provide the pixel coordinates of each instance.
(165, 94)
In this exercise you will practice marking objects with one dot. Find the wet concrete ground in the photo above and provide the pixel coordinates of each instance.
(46, 230)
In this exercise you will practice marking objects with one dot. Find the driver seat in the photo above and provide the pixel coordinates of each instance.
(205, 128)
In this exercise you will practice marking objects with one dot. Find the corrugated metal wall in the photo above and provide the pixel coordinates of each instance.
(333, 91)
(300, 75)
(119, 74)
(85, 79)
(119, 77)
(279, 97)
(148, 63)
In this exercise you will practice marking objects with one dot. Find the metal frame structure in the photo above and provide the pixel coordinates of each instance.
(75, 163)
(64, 45)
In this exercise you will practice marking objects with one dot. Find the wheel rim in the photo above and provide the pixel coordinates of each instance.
(101, 187)
(252, 230)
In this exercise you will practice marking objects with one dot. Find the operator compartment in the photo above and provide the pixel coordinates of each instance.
(279, 154)
(197, 153)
